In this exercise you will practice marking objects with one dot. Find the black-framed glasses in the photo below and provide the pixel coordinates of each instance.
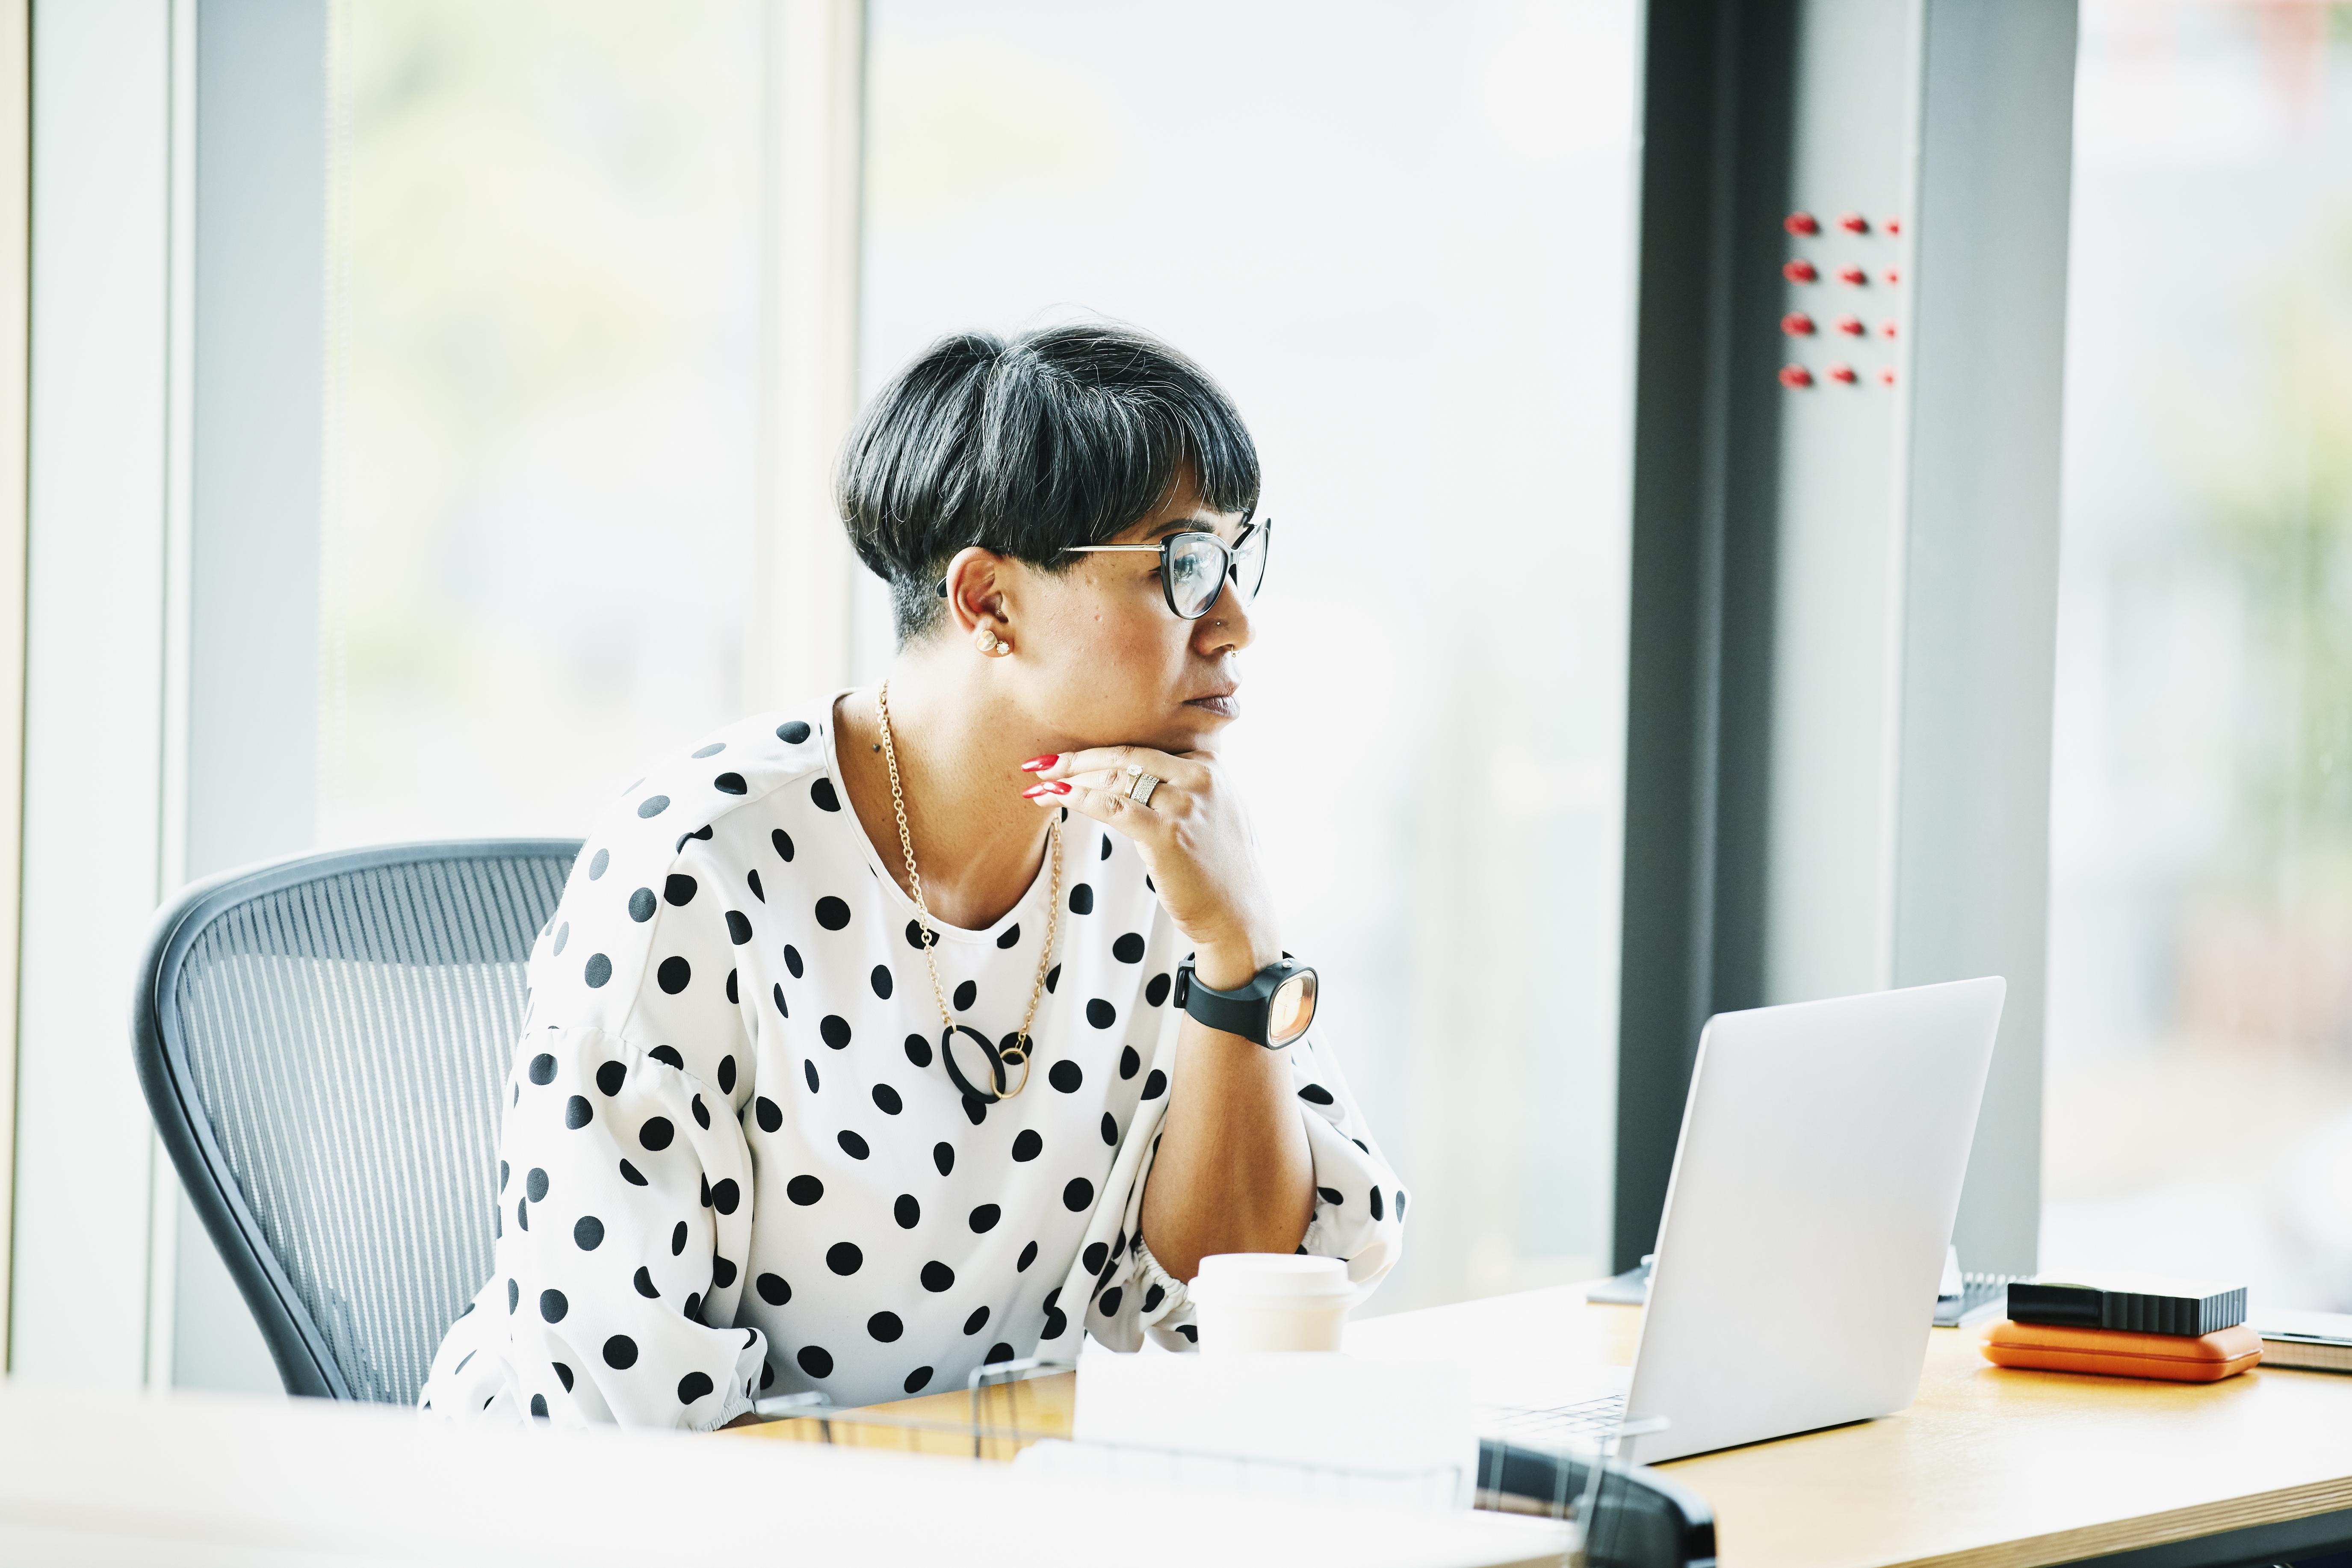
(1196, 565)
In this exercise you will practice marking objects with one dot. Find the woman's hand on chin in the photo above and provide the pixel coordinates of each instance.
(1193, 836)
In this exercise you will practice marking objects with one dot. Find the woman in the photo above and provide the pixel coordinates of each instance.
(862, 1049)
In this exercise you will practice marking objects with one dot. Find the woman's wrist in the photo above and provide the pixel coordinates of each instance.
(1228, 966)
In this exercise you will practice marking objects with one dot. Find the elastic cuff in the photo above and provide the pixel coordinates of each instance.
(1173, 1298)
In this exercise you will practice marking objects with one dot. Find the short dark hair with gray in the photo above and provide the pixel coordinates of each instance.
(1029, 445)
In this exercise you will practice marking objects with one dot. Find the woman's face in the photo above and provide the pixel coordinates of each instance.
(1098, 658)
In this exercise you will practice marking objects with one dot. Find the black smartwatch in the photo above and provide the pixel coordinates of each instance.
(1274, 1009)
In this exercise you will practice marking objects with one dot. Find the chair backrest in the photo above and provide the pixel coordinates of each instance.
(323, 1042)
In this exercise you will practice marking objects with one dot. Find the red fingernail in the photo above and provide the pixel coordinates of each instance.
(1049, 788)
(1036, 763)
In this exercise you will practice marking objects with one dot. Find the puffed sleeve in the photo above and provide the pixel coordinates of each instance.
(1358, 1208)
(624, 1180)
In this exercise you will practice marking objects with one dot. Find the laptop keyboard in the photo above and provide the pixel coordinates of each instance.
(1598, 1417)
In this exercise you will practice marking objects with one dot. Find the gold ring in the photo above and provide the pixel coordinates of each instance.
(1142, 791)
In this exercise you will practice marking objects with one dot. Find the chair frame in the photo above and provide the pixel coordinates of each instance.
(296, 1343)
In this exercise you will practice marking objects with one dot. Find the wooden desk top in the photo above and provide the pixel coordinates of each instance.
(1989, 1467)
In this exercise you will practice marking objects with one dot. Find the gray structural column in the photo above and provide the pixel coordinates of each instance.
(1845, 532)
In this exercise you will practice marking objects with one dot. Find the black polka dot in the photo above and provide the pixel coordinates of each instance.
(538, 1405)
(1101, 1013)
(578, 1113)
(596, 866)
(975, 1110)
(673, 975)
(822, 793)
(725, 1195)
(1188, 1331)
(917, 1380)
(1053, 979)
(562, 935)
(984, 1218)
(1082, 900)
(599, 970)
(512, 1295)
(728, 784)
(641, 905)
(504, 1173)
(1027, 1145)
(731, 997)
(919, 1050)
(881, 980)
(783, 843)
(739, 927)
(832, 913)
(701, 1113)
(1079, 1195)
(834, 1030)
(722, 1272)
(712, 750)
(1373, 1203)
(1156, 1085)
(535, 1185)
(694, 1385)
(842, 1257)
(767, 1373)
(542, 1068)
(1316, 1094)
(653, 805)
(776, 995)
(1128, 949)
(965, 995)
(997, 1352)
(1106, 847)
(1109, 1305)
(702, 831)
(680, 891)
(727, 1074)
(751, 880)
(657, 1134)
(768, 1114)
(1331, 1195)
(937, 1277)
(522, 1213)
(773, 1289)
(552, 1306)
(620, 1350)
(885, 1099)
(1157, 990)
(915, 936)
(943, 1156)
(852, 1144)
(706, 1192)
(694, 1307)
(678, 1239)
(906, 1212)
(588, 1233)
(1399, 1203)
(977, 1321)
(1128, 1062)
(668, 1054)
(1110, 1129)
(792, 960)
(1096, 1254)
(1028, 1256)
(630, 1174)
(885, 1327)
(610, 1077)
(643, 1281)
(1154, 1297)
(792, 732)
(1065, 1075)
(1012, 936)
(804, 1190)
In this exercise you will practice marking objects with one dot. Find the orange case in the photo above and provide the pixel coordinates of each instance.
(2176, 1358)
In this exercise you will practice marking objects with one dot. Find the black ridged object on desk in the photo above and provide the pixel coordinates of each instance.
(2148, 1309)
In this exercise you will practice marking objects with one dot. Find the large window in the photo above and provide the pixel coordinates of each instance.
(1401, 236)
(2199, 1097)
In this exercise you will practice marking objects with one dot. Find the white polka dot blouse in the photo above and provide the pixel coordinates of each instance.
(732, 1163)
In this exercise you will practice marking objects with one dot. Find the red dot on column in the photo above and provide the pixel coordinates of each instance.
(1795, 375)
(1854, 223)
(1800, 222)
(1886, 376)
(1853, 275)
(1797, 324)
(1893, 226)
(1850, 325)
(1893, 276)
(1843, 373)
(1799, 271)
(1887, 330)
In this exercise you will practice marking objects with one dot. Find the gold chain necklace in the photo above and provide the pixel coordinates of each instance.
(1017, 1054)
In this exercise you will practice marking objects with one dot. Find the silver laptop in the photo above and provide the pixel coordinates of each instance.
(1814, 1192)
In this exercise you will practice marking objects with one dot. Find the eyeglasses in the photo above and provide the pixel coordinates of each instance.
(1196, 565)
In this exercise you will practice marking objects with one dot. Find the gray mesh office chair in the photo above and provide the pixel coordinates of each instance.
(323, 1043)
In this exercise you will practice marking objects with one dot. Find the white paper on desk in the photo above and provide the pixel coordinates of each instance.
(1308, 1421)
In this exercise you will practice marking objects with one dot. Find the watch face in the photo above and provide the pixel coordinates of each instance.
(1291, 1009)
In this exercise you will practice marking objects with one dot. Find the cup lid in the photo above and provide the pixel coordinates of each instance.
(1274, 1274)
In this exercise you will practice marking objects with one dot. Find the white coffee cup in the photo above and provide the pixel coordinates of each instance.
(1271, 1301)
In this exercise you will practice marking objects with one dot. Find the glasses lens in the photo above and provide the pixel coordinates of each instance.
(1196, 569)
(1249, 560)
